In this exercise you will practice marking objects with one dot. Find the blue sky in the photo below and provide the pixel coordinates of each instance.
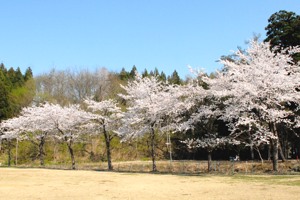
(166, 34)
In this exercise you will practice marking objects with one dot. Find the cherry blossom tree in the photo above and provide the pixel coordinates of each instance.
(37, 122)
(201, 117)
(37, 125)
(69, 123)
(150, 105)
(10, 130)
(210, 142)
(106, 118)
(259, 87)
(62, 122)
(251, 134)
(203, 121)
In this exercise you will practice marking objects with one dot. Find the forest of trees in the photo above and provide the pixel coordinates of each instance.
(16, 91)
(250, 108)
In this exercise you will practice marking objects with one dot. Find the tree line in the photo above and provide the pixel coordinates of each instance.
(174, 78)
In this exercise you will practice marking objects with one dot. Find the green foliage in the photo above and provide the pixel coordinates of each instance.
(90, 149)
(174, 78)
(4, 100)
(284, 30)
(156, 72)
(27, 152)
(22, 96)
(162, 77)
(145, 73)
(133, 72)
(28, 74)
(16, 91)
(124, 75)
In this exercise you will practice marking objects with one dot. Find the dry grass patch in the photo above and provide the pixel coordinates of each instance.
(68, 184)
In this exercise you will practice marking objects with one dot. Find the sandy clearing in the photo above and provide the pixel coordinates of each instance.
(67, 184)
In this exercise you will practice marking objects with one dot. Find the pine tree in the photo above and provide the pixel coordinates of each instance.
(4, 102)
(3, 69)
(28, 74)
(145, 73)
(124, 74)
(133, 72)
(15, 92)
(162, 77)
(174, 78)
(156, 72)
(18, 79)
(283, 30)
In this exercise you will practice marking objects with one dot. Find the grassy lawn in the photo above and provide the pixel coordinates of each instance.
(26, 183)
(290, 180)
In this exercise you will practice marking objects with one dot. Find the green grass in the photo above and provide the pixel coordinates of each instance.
(290, 180)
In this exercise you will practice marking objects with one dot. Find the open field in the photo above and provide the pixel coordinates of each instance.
(67, 184)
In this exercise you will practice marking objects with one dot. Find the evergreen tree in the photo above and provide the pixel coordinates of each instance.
(162, 77)
(284, 30)
(19, 78)
(4, 102)
(145, 73)
(3, 69)
(133, 72)
(174, 78)
(151, 73)
(28, 74)
(16, 91)
(124, 75)
(156, 72)
(11, 76)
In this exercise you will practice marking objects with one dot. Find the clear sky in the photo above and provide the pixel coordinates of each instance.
(167, 34)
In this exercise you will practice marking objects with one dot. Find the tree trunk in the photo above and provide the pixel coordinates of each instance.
(286, 149)
(259, 154)
(284, 142)
(209, 161)
(252, 152)
(71, 153)
(154, 169)
(281, 152)
(269, 152)
(251, 144)
(41, 150)
(17, 146)
(274, 143)
(108, 150)
(9, 153)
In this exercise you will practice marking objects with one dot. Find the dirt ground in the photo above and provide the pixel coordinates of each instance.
(66, 184)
